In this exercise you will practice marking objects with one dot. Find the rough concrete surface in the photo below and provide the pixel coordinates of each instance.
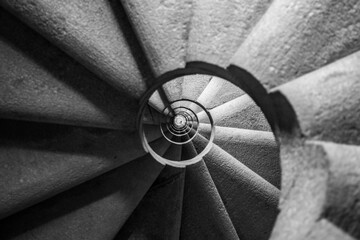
(194, 85)
(39, 160)
(94, 210)
(219, 27)
(250, 200)
(218, 92)
(162, 28)
(257, 150)
(325, 187)
(241, 112)
(39, 82)
(158, 215)
(95, 33)
(299, 36)
(204, 214)
(327, 101)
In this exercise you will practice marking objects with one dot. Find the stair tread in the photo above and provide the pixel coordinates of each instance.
(219, 27)
(204, 215)
(250, 200)
(96, 209)
(324, 189)
(241, 112)
(164, 38)
(257, 150)
(158, 216)
(293, 38)
(331, 111)
(194, 85)
(39, 82)
(96, 34)
(41, 160)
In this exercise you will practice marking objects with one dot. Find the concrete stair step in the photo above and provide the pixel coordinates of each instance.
(39, 82)
(194, 85)
(162, 28)
(175, 151)
(219, 27)
(158, 216)
(257, 150)
(218, 92)
(324, 104)
(173, 89)
(95, 210)
(250, 200)
(323, 198)
(41, 160)
(97, 34)
(204, 215)
(296, 37)
(241, 112)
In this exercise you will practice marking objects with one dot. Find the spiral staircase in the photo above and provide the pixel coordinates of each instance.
(172, 119)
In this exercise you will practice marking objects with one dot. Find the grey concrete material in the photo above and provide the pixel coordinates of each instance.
(156, 102)
(250, 200)
(219, 27)
(162, 27)
(258, 150)
(173, 89)
(174, 152)
(95, 33)
(158, 215)
(241, 112)
(95, 210)
(218, 92)
(326, 187)
(194, 85)
(297, 37)
(39, 82)
(326, 102)
(325, 230)
(38, 161)
(204, 215)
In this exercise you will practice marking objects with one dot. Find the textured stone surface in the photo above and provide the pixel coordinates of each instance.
(96, 33)
(325, 187)
(194, 85)
(38, 161)
(94, 210)
(218, 92)
(299, 36)
(219, 27)
(158, 215)
(173, 89)
(39, 82)
(204, 215)
(257, 150)
(162, 28)
(249, 199)
(242, 112)
(327, 101)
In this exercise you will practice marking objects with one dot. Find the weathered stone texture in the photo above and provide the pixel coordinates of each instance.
(162, 27)
(327, 101)
(257, 150)
(39, 82)
(299, 36)
(219, 27)
(93, 32)
(200, 196)
(94, 210)
(40, 160)
(242, 112)
(326, 186)
(250, 200)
